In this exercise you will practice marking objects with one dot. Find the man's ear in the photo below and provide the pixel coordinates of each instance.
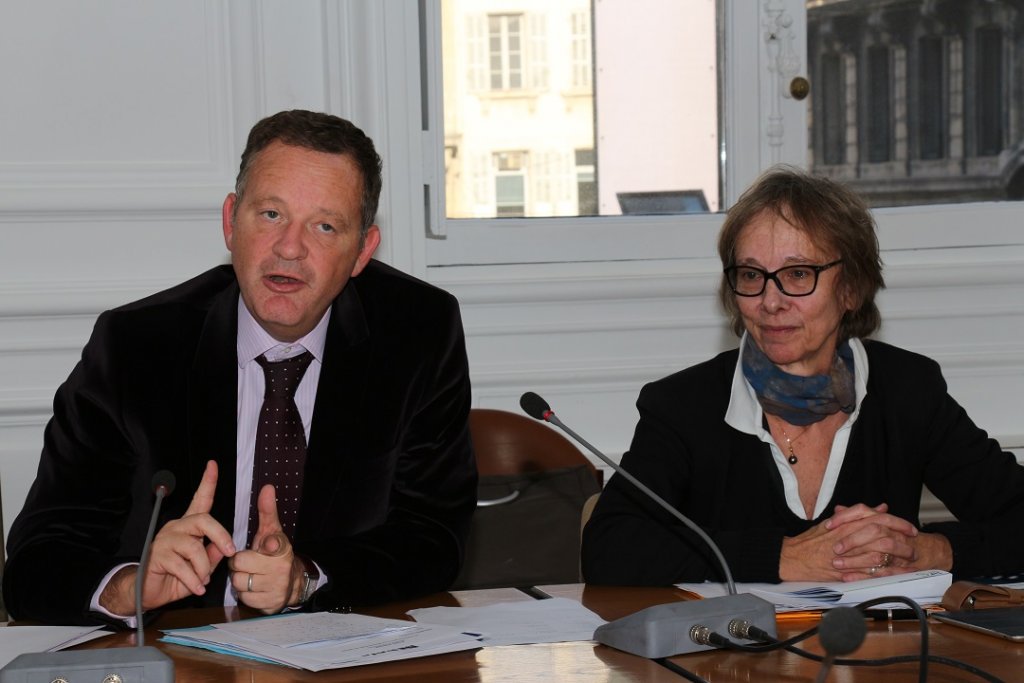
(371, 240)
(227, 218)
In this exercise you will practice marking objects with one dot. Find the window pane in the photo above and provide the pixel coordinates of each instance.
(610, 106)
(932, 102)
(833, 121)
(914, 102)
(990, 91)
(879, 114)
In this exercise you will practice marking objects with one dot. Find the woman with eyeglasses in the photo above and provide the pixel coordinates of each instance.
(803, 452)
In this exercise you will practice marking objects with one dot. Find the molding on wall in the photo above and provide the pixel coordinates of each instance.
(630, 371)
(923, 269)
(623, 323)
(663, 280)
(25, 408)
(111, 205)
(611, 372)
(85, 298)
(37, 345)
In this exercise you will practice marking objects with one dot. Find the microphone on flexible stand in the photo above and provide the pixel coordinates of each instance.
(163, 486)
(842, 630)
(656, 631)
(144, 664)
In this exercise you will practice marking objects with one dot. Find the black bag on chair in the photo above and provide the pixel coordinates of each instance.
(526, 529)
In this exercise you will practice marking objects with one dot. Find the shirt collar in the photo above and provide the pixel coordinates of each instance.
(254, 341)
(745, 413)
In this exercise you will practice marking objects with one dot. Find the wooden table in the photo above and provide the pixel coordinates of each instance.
(1000, 658)
(884, 639)
(587, 661)
(556, 662)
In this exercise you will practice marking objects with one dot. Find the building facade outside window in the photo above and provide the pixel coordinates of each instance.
(505, 51)
(590, 92)
(912, 102)
(935, 137)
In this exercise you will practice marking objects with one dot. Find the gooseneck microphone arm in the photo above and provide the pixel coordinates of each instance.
(142, 664)
(536, 407)
(163, 485)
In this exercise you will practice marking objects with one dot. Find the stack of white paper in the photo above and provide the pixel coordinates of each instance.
(924, 588)
(323, 640)
(553, 620)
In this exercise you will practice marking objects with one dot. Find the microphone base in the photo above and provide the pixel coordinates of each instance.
(664, 630)
(136, 664)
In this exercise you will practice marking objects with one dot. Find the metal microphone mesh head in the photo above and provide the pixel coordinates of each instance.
(164, 479)
(842, 630)
(533, 405)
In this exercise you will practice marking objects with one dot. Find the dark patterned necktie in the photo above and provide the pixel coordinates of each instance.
(280, 454)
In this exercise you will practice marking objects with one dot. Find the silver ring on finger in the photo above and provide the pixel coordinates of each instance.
(248, 585)
(886, 560)
(871, 571)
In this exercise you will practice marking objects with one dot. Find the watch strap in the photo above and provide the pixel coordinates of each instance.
(310, 579)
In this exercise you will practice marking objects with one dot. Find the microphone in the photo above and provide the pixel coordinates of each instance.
(143, 663)
(162, 485)
(654, 632)
(538, 408)
(842, 630)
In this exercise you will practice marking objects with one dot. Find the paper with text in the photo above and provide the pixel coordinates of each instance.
(924, 587)
(323, 640)
(554, 620)
(18, 640)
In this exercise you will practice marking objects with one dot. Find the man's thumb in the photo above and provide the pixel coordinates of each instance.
(273, 545)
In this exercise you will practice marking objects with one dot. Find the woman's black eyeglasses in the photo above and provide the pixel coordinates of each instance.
(799, 280)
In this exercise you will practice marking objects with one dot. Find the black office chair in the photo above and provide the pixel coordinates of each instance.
(534, 484)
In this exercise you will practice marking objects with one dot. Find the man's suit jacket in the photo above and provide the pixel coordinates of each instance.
(390, 479)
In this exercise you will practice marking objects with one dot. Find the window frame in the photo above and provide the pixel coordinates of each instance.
(494, 241)
(436, 249)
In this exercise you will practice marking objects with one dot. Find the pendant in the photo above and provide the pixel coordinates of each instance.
(793, 459)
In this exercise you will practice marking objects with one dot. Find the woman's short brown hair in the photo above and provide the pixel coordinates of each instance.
(834, 218)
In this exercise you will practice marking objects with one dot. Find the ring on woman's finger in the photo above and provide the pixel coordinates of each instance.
(886, 560)
(871, 571)
(248, 585)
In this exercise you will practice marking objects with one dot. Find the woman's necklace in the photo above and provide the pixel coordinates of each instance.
(789, 443)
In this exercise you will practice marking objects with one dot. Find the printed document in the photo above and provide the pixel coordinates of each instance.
(553, 620)
(323, 640)
(924, 587)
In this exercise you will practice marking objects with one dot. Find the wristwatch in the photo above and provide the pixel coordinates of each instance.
(310, 578)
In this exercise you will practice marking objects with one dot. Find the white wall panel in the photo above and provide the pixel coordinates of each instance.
(93, 91)
(289, 48)
(112, 98)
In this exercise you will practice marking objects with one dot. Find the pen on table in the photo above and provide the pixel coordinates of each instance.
(799, 615)
(873, 614)
(689, 594)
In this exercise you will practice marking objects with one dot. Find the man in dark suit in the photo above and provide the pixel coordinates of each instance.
(173, 382)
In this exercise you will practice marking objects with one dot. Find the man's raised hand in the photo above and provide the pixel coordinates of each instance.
(181, 562)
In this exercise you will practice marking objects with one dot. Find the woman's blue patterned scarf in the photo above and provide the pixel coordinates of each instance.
(801, 400)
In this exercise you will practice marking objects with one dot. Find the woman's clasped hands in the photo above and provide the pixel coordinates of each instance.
(861, 542)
